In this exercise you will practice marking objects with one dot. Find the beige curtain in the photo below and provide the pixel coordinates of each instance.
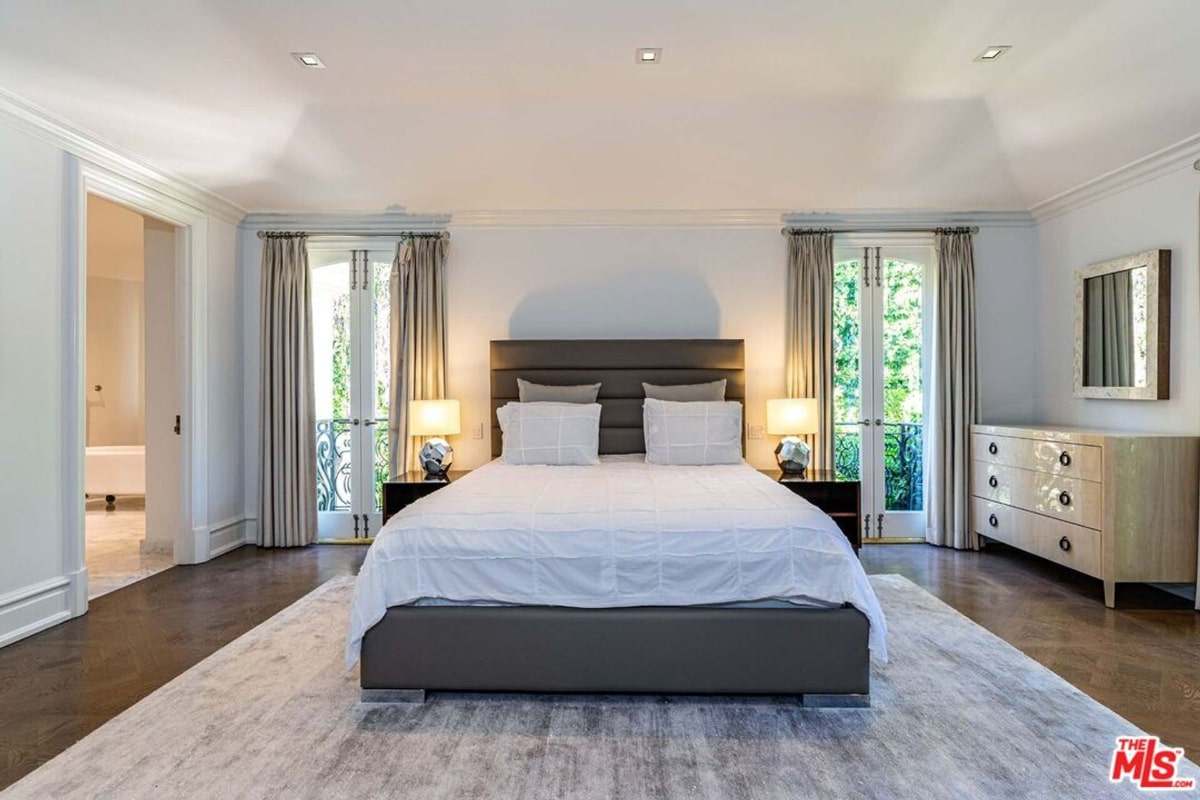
(955, 405)
(809, 347)
(288, 477)
(418, 288)
(1109, 321)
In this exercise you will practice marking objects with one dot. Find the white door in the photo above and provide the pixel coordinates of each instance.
(881, 348)
(351, 374)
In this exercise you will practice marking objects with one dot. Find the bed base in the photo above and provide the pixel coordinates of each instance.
(819, 654)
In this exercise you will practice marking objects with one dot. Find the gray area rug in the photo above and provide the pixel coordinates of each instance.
(956, 714)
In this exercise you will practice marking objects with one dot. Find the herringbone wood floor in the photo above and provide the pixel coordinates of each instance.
(1143, 659)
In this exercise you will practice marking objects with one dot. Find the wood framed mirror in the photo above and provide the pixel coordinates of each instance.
(1123, 328)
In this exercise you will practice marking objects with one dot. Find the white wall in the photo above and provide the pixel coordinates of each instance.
(229, 526)
(598, 282)
(37, 585)
(1163, 213)
(115, 359)
(33, 590)
(163, 400)
(115, 325)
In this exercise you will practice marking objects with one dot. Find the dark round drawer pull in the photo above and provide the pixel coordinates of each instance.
(1064, 544)
(993, 449)
(1065, 459)
(1064, 497)
(992, 482)
(993, 521)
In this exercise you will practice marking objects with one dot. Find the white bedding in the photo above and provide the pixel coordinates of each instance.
(623, 533)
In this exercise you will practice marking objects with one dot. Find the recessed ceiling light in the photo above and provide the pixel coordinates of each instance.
(993, 52)
(649, 55)
(309, 60)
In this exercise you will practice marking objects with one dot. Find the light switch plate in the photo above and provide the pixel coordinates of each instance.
(477, 433)
(755, 432)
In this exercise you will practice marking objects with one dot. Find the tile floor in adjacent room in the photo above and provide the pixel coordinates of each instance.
(113, 546)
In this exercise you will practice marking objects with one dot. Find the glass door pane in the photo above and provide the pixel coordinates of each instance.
(333, 334)
(376, 325)
(900, 398)
(847, 367)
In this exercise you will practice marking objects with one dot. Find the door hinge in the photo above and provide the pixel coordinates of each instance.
(866, 266)
(366, 526)
(178, 424)
(867, 527)
(355, 526)
(878, 281)
(879, 525)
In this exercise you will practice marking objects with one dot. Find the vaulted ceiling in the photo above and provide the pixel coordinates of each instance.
(443, 105)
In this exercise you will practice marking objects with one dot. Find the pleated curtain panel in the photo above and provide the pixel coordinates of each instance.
(1109, 329)
(288, 478)
(809, 346)
(418, 347)
(955, 394)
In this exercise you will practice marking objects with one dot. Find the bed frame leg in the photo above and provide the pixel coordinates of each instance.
(836, 701)
(413, 696)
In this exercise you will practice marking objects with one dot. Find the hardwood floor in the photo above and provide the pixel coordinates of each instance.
(58, 686)
(1142, 659)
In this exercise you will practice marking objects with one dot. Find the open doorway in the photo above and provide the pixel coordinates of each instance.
(132, 459)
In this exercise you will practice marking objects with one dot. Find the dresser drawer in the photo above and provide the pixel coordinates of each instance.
(1042, 536)
(1069, 499)
(1082, 461)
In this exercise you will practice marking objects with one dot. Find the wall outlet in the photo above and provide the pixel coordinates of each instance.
(477, 431)
(756, 432)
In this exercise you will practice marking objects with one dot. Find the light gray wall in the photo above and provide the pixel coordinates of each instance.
(599, 282)
(1161, 213)
(35, 230)
(32, 399)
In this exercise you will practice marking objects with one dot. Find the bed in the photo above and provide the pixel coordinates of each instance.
(622, 577)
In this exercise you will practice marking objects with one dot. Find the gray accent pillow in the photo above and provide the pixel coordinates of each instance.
(688, 392)
(538, 393)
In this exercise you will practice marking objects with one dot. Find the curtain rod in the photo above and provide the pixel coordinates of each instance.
(351, 234)
(893, 229)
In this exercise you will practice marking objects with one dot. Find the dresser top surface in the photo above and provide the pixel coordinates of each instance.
(1070, 433)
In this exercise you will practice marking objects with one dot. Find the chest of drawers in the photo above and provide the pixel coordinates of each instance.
(1121, 507)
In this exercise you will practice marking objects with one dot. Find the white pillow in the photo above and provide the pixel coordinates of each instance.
(550, 433)
(692, 434)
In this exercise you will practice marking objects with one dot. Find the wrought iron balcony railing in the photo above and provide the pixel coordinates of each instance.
(903, 461)
(334, 462)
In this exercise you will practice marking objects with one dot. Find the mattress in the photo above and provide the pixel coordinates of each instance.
(622, 533)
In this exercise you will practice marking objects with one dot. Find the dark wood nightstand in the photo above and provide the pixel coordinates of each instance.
(841, 500)
(412, 487)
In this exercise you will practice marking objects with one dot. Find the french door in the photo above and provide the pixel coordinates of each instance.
(881, 353)
(351, 314)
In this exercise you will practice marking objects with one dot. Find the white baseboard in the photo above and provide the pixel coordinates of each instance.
(227, 535)
(34, 608)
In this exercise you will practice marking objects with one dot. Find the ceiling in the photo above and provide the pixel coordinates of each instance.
(539, 104)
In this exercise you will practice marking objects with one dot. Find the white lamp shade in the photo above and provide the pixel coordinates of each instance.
(791, 416)
(434, 418)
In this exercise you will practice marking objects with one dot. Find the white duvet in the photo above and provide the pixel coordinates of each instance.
(624, 533)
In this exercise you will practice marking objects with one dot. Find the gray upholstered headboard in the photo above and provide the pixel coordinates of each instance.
(620, 366)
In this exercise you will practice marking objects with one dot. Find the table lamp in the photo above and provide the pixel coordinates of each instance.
(436, 418)
(788, 418)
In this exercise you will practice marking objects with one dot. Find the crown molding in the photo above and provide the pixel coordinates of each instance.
(347, 223)
(906, 220)
(1178, 156)
(54, 130)
(618, 218)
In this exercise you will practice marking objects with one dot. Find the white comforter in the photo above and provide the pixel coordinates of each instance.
(623, 533)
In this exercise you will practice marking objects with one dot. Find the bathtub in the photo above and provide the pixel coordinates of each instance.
(114, 470)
